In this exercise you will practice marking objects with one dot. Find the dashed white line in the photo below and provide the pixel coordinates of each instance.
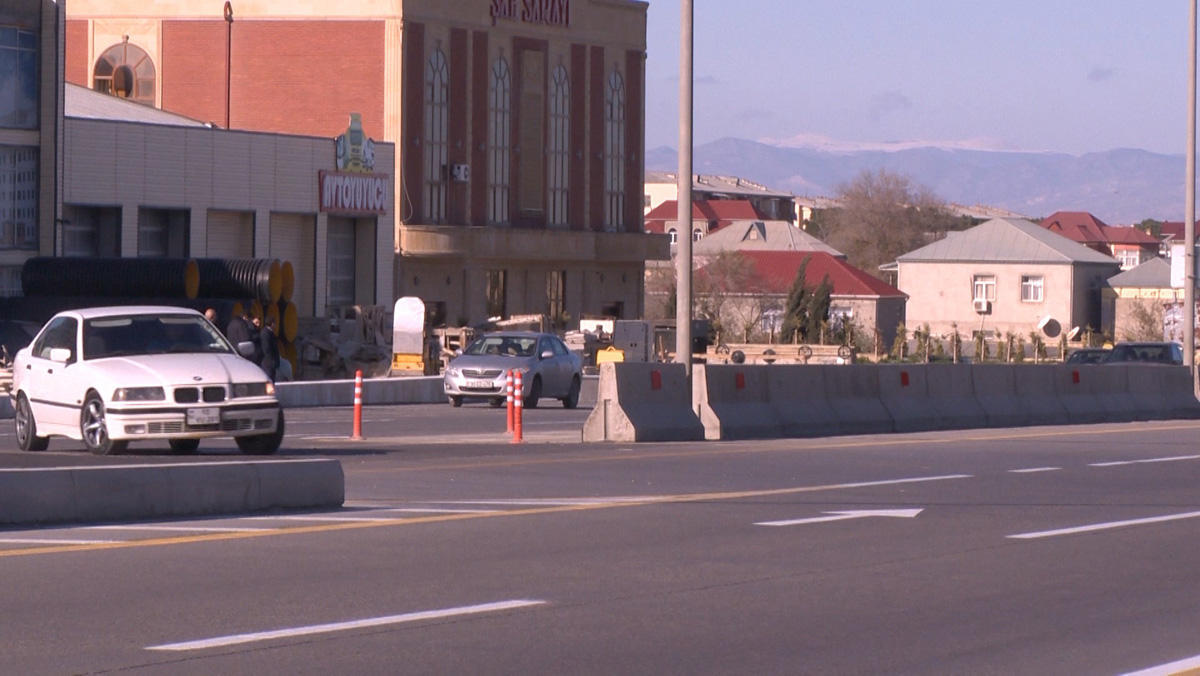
(322, 518)
(236, 639)
(1178, 667)
(1104, 526)
(33, 541)
(1117, 463)
(1032, 470)
(181, 529)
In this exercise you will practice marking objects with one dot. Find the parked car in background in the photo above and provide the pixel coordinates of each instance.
(1146, 353)
(548, 370)
(1088, 355)
(110, 375)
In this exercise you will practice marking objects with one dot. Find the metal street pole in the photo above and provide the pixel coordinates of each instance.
(1189, 212)
(683, 248)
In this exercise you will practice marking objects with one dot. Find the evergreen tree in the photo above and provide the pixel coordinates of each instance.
(806, 308)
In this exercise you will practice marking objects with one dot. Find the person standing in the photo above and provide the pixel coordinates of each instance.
(241, 330)
(268, 347)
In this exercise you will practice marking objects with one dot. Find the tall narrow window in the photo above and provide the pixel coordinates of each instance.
(126, 71)
(496, 293)
(556, 284)
(436, 77)
(614, 153)
(560, 139)
(19, 64)
(499, 141)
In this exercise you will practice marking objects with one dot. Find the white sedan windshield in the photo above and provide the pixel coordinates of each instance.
(146, 334)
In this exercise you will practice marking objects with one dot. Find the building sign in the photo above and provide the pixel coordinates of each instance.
(544, 12)
(353, 193)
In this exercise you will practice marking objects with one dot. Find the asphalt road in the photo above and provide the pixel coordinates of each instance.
(1065, 550)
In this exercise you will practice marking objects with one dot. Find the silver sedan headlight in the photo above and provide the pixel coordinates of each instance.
(453, 372)
(139, 394)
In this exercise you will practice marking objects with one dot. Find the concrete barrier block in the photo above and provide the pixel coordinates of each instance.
(852, 391)
(639, 401)
(996, 392)
(293, 484)
(211, 487)
(733, 402)
(1179, 398)
(797, 394)
(1148, 389)
(1037, 393)
(386, 391)
(1077, 385)
(1109, 384)
(952, 396)
(121, 492)
(905, 394)
(34, 495)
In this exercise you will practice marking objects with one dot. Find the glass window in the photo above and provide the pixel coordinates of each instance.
(10, 281)
(556, 283)
(436, 111)
(499, 141)
(1031, 288)
(126, 71)
(984, 287)
(163, 233)
(496, 293)
(696, 235)
(614, 153)
(19, 78)
(559, 148)
(18, 197)
(339, 263)
(1129, 259)
(59, 332)
(674, 235)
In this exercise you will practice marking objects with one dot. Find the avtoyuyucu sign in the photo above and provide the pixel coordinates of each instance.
(353, 193)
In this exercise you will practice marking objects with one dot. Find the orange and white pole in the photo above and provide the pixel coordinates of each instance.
(518, 391)
(508, 383)
(358, 400)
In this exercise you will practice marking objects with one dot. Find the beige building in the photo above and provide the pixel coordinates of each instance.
(518, 126)
(663, 186)
(1002, 276)
(1143, 305)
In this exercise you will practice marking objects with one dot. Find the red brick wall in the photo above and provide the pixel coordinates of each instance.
(75, 61)
(634, 185)
(413, 123)
(578, 162)
(299, 77)
(458, 151)
(192, 69)
(596, 133)
(479, 126)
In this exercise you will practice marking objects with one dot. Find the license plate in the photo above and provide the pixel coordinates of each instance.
(203, 416)
(479, 383)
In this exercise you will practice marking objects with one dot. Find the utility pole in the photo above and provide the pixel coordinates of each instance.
(1189, 213)
(683, 247)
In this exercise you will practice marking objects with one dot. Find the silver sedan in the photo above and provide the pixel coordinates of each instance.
(548, 369)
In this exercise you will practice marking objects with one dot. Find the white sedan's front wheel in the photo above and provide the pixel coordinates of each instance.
(94, 428)
(27, 438)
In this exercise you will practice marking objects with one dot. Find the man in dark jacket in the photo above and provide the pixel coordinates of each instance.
(268, 348)
(241, 330)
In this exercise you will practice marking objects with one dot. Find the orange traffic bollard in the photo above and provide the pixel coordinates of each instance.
(358, 389)
(508, 381)
(517, 396)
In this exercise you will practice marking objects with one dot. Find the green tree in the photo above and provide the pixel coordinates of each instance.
(883, 215)
(807, 308)
(1151, 227)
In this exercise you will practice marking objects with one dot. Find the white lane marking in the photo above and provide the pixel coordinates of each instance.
(32, 541)
(1104, 526)
(439, 511)
(237, 639)
(1147, 460)
(850, 514)
(181, 529)
(1031, 470)
(323, 518)
(1176, 667)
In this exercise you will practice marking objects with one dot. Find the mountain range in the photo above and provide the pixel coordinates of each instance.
(1120, 186)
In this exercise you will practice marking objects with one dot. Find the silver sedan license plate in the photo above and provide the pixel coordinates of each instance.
(203, 416)
(479, 384)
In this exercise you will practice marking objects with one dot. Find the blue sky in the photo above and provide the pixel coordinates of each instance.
(1035, 75)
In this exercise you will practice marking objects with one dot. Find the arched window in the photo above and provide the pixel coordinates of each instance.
(674, 235)
(436, 76)
(696, 235)
(126, 71)
(614, 153)
(499, 141)
(559, 149)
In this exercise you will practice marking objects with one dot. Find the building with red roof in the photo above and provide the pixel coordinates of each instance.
(707, 216)
(766, 281)
(1127, 244)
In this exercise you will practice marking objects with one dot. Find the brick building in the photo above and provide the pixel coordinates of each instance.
(518, 126)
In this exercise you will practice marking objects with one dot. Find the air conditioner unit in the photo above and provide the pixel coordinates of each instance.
(460, 173)
(982, 306)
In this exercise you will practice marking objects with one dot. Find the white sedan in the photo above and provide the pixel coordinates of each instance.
(111, 375)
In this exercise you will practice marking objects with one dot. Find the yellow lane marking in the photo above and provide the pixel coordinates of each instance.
(692, 451)
(442, 518)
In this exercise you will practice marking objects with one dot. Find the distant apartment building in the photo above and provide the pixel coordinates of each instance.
(518, 127)
(771, 204)
(1129, 245)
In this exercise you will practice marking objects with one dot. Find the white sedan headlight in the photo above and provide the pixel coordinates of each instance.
(253, 389)
(139, 394)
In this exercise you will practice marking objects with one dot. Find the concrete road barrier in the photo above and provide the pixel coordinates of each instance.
(1037, 393)
(1109, 387)
(1179, 399)
(407, 390)
(643, 402)
(852, 391)
(797, 394)
(1077, 386)
(733, 402)
(995, 388)
(905, 394)
(122, 492)
(952, 397)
